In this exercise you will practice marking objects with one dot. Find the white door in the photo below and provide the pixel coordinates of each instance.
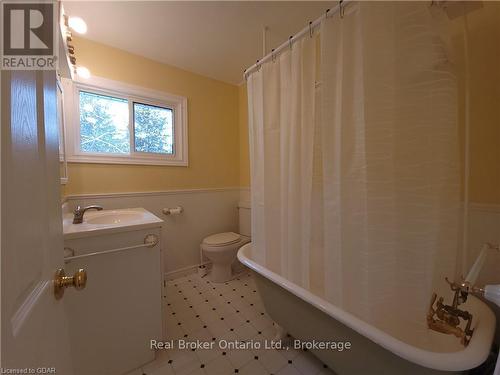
(34, 327)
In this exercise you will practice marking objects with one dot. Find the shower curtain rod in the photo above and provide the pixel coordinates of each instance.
(306, 30)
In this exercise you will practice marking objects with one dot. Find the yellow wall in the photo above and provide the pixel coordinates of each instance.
(214, 149)
(218, 119)
(484, 94)
(243, 127)
(484, 59)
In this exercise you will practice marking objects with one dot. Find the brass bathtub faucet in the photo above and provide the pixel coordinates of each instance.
(446, 318)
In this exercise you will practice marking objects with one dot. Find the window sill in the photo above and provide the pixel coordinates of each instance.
(126, 160)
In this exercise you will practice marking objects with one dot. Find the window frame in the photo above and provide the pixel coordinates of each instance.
(133, 94)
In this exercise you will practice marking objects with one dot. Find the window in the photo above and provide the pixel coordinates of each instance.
(103, 124)
(153, 129)
(117, 123)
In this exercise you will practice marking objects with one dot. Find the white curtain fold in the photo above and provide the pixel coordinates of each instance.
(356, 184)
(281, 110)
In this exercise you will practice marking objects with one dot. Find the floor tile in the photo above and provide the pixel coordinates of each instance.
(135, 372)
(289, 353)
(307, 363)
(185, 363)
(240, 357)
(229, 337)
(202, 334)
(272, 360)
(219, 366)
(234, 320)
(326, 371)
(191, 325)
(246, 331)
(206, 356)
(253, 368)
(174, 332)
(218, 328)
(224, 313)
(289, 370)
(164, 369)
(261, 322)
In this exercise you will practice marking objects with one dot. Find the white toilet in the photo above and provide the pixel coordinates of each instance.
(221, 248)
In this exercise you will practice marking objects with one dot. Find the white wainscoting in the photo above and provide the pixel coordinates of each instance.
(245, 195)
(206, 211)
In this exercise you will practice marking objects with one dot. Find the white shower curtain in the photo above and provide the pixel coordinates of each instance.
(355, 163)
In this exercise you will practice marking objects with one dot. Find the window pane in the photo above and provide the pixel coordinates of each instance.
(153, 129)
(103, 124)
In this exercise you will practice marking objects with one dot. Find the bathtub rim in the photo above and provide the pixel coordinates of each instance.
(477, 350)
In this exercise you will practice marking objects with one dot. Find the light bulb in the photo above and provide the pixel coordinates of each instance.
(83, 72)
(77, 24)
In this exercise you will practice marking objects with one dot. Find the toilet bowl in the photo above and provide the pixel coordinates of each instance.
(221, 249)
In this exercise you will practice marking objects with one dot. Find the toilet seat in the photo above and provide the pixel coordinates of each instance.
(222, 239)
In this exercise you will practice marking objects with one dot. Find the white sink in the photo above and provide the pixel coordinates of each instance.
(114, 217)
(109, 221)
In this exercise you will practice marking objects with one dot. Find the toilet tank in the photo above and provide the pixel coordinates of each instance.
(245, 220)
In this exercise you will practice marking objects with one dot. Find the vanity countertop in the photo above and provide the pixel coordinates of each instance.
(109, 221)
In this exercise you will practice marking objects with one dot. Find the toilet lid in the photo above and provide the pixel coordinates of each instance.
(222, 239)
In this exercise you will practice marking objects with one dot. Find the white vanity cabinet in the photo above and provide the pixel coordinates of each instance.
(112, 320)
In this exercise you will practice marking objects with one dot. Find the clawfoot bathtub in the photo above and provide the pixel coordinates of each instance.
(309, 318)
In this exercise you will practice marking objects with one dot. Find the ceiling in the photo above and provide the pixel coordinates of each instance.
(211, 38)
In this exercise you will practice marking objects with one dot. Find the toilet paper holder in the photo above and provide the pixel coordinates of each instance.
(173, 211)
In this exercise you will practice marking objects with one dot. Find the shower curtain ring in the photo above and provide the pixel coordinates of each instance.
(326, 13)
(273, 56)
(341, 8)
(290, 41)
(310, 29)
(258, 65)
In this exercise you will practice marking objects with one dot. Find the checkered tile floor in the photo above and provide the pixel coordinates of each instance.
(230, 312)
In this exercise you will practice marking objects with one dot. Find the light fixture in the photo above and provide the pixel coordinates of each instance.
(83, 72)
(77, 24)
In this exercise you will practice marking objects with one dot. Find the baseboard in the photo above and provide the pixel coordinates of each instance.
(185, 271)
(237, 269)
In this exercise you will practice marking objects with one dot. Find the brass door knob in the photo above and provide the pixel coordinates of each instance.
(61, 281)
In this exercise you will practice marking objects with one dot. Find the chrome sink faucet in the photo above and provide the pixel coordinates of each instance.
(80, 211)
